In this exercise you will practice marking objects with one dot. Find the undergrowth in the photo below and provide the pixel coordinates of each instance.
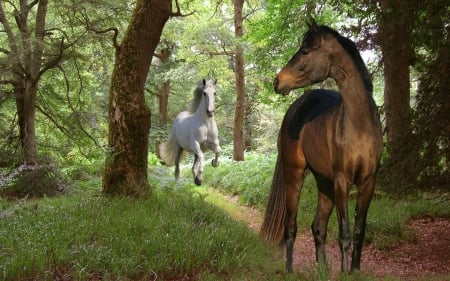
(169, 234)
(387, 218)
(175, 233)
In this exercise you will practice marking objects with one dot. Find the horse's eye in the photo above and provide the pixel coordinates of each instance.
(204, 93)
(304, 52)
(214, 93)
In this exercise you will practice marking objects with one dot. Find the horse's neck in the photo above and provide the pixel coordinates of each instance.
(356, 99)
(200, 112)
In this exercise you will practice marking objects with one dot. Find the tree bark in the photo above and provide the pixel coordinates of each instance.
(164, 91)
(238, 129)
(128, 116)
(395, 42)
(163, 95)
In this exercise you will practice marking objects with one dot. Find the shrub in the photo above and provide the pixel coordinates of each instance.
(33, 181)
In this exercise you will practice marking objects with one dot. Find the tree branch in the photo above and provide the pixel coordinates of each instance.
(53, 63)
(113, 29)
(178, 13)
(89, 27)
(30, 6)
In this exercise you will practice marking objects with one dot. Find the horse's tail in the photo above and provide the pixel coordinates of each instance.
(272, 228)
(167, 151)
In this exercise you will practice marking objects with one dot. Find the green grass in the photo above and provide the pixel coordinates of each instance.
(387, 218)
(250, 179)
(170, 234)
(180, 230)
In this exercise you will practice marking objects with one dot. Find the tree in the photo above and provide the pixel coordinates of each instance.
(25, 64)
(238, 128)
(43, 61)
(164, 90)
(431, 121)
(395, 39)
(128, 115)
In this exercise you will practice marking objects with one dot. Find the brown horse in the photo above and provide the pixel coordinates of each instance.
(337, 136)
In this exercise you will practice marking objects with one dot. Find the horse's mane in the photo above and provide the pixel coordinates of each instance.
(197, 97)
(351, 49)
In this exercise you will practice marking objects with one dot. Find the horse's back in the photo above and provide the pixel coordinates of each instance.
(308, 107)
(314, 122)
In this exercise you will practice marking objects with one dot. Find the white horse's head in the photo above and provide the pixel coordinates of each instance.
(209, 93)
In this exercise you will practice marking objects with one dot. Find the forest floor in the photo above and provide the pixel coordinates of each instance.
(426, 256)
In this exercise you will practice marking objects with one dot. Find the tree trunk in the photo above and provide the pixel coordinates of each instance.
(163, 95)
(26, 112)
(128, 116)
(396, 46)
(26, 72)
(238, 129)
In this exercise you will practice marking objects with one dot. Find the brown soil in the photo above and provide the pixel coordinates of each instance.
(427, 257)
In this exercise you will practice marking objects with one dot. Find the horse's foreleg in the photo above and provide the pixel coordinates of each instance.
(215, 161)
(216, 149)
(319, 225)
(362, 205)
(341, 193)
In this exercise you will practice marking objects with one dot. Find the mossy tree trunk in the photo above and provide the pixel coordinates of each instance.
(129, 117)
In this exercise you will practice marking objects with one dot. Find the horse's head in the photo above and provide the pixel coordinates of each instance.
(209, 93)
(309, 65)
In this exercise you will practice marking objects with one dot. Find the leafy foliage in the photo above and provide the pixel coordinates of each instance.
(431, 122)
(250, 179)
(72, 98)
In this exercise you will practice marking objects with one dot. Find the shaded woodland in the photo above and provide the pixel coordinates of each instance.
(90, 88)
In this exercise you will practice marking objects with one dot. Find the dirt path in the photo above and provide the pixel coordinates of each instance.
(427, 257)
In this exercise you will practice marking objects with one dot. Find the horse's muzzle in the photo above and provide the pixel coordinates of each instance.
(276, 86)
(275, 83)
(210, 113)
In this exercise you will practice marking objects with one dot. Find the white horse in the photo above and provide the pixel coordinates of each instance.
(194, 131)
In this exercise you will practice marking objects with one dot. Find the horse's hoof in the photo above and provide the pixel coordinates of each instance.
(214, 163)
(197, 181)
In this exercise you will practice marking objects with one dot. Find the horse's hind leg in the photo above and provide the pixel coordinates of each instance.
(319, 225)
(294, 182)
(294, 165)
(362, 205)
(177, 152)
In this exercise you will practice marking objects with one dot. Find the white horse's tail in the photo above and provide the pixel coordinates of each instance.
(167, 151)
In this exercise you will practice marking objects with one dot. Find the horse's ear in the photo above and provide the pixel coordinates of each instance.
(204, 82)
(215, 81)
(314, 29)
(313, 26)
